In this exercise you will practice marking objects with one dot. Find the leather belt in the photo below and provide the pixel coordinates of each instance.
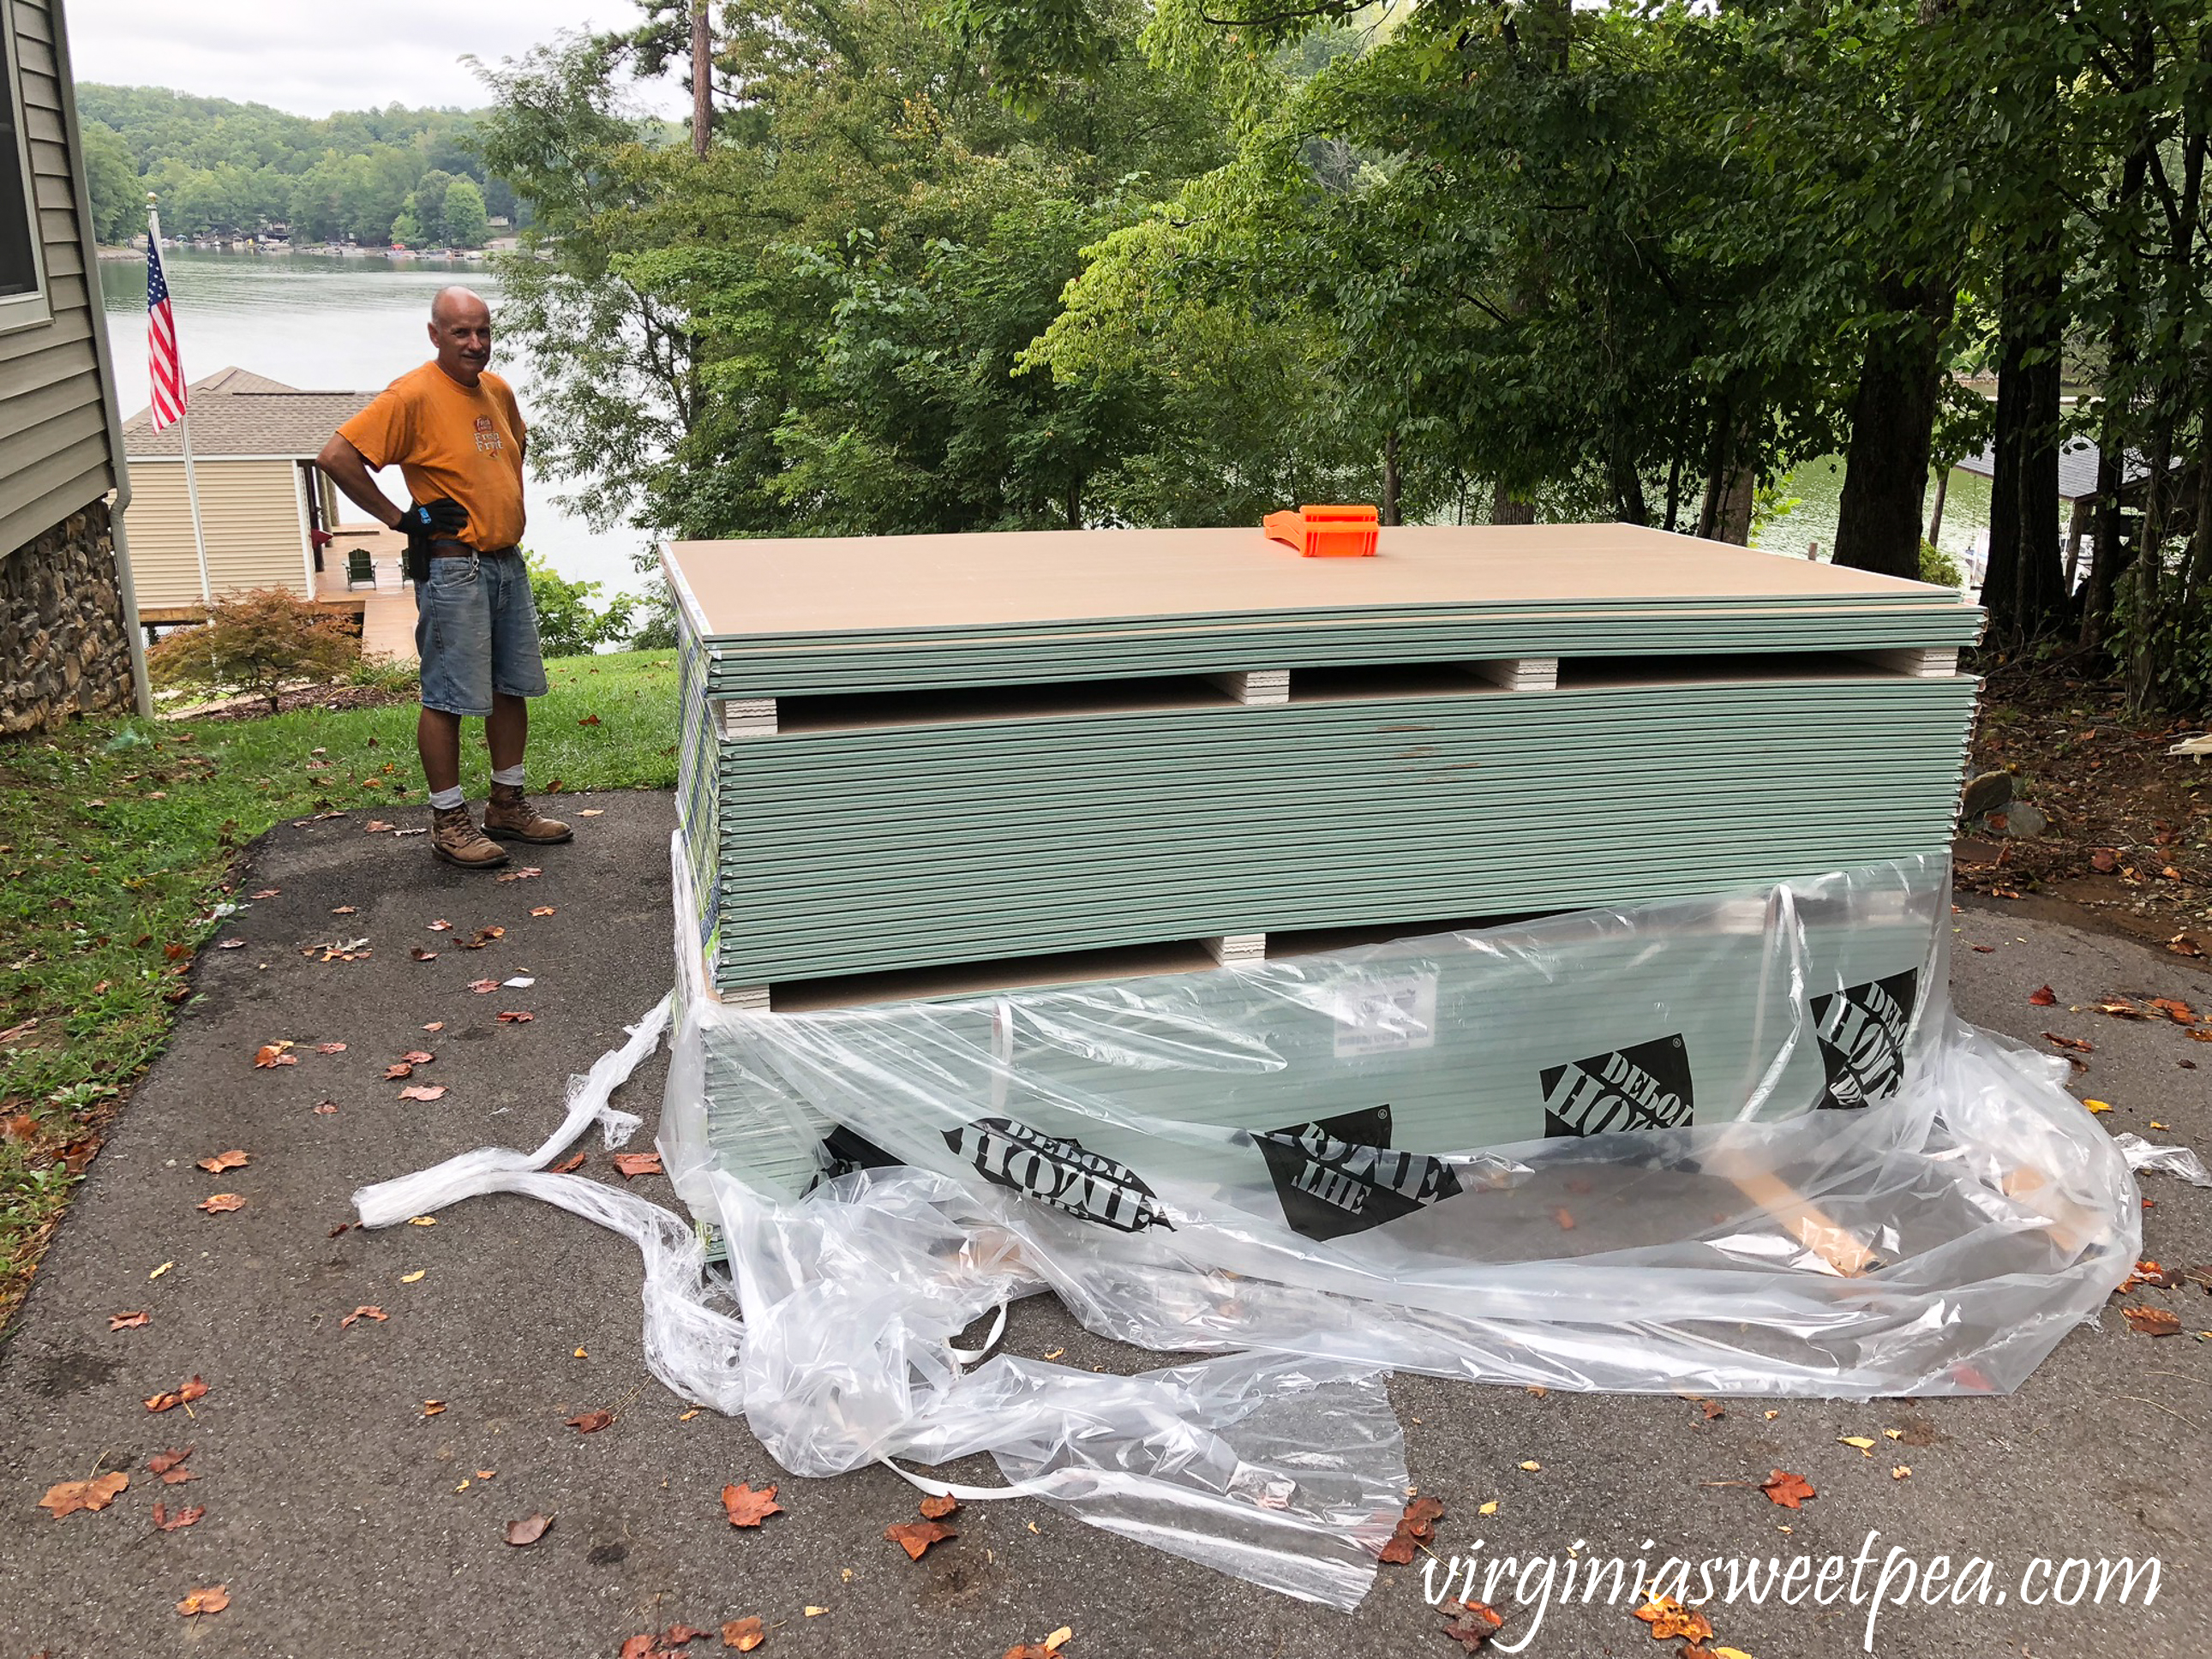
(450, 550)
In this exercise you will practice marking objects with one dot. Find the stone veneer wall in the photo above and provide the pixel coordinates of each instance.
(63, 645)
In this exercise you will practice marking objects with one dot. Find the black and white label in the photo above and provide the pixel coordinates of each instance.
(1644, 1086)
(1337, 1176)
(1861, 1031)
(1058, 1171)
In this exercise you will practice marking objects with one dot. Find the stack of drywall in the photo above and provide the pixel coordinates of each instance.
(907, 753)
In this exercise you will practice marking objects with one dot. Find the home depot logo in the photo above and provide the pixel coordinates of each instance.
(1339, 1176)
(1862, 1035)
(1644, 1087)
(1058, 1171)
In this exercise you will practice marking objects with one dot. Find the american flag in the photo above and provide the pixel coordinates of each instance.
(164, 368)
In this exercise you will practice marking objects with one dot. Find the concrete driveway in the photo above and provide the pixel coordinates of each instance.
(345, 1520)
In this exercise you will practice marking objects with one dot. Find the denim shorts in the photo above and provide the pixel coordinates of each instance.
(476, 630)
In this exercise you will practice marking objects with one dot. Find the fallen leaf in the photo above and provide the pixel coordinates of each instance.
(423, 1091)
(935, 1508)
(342, 909)
(220, 1203)
(1532, 1467)
(1985, 950)
(542, 910)
(414, 1278)
(634, 1164)
(1060, 1638)
(363, 1312)
(643, 1645)
(272, 1054)
(329, 1047)
(2104, 860)
(528, 1530)
(744, 1634)
(214, 1598)
(2120, 1008)
(170, 1466)
(2179, 1013)
(523, 874)
(1900, 1472)
(1564, 1218)
(2184, 944)
(590, 1422)
(397, 1070)
(591, 812)
(1491, 1508)
(1859, 1440)
(589, 720)
(418, 1057)
(486, 1474)
(325, 1107)
(375, 826)
(1669, 1619)
(676, 1636)
(266, 892)
(68, 1497)
(2077, 1044)
(1473, 1625)
(127, 1321)
(483, 988)
(514, 1017)
(230, 944)
(441, 925)
(178, 1397)
(747, 1508)
(421, 955)
(2153, 1321)
(431, 1407)
(571, 1166)
(915, 1536)
(165, 1521)
(2043, 997)
(435, 1025)
(2097, 1106)
(1790, 1491)
(1416, 1526)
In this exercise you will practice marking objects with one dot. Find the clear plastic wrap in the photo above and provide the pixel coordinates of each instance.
(1738, 1145)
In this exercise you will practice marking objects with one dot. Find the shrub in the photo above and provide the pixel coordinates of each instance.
(1938, 567)
(259, 643)
(568, 626)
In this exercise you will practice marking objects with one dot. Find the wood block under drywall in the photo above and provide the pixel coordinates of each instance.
(1921, 662)
(1256, 686)
(1230, 949)
(1519, 673)
(747, 717)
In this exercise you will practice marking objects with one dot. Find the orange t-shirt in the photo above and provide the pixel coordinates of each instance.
(447, 438)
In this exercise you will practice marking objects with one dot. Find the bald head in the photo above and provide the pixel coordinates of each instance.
(460, 330)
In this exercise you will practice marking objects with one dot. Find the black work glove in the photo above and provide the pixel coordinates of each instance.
(424, 522)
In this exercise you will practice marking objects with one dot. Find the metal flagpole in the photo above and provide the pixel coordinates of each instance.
(184, 431)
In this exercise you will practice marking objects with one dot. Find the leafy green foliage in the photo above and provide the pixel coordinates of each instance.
(568, 624)
(260, 641)
(220, 166)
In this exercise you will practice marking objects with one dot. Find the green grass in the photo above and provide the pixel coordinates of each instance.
(120, 837)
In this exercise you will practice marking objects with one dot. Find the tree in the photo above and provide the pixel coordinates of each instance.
(118, 200)
(467, 222)
(258, 643)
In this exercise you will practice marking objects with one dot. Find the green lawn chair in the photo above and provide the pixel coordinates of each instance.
(360, 567)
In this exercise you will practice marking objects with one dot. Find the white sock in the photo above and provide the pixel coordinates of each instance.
(511, 775)
(445, 800)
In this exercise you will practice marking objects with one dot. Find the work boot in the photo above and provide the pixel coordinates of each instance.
(510, 816)
(455, 838)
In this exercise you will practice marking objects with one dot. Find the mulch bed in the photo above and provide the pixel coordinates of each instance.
(330, 697)
(2127, 843)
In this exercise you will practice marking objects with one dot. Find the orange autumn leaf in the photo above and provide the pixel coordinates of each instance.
(2153, 1321)
(528, 1530)
(744, 1634)
(170, 1466)
(1786, 1488)
(747, 1508)
(127, 1321)
(514, 1017)
(937, 1507)
(214, 1598)
(588, 1422)
(1669, 1619)
(272, 1054)
(542, 910)
(570, 1166)
(377, 1314)
(915, 1536)
(220, 1203)
(1475, 1624)
(221, 1161)
(633, 1164)
(165, 1521)
(2043, 997)
(68, 1497)
(423, 1091)
(183, 1395)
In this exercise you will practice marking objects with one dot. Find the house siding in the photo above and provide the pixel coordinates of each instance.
(250, 512)
(67, 639)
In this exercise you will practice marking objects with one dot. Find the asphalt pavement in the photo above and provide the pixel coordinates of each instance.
(346, 1519)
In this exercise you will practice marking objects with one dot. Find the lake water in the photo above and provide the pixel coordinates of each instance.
(324, 323)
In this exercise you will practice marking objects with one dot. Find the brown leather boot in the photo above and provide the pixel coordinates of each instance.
(455, 838)
(510, 816)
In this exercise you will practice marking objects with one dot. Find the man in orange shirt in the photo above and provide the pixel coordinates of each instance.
(453, 429)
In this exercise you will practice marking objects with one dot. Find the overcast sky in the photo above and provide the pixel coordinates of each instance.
(312, 58)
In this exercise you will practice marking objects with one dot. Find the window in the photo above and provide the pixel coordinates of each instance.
(20, 296)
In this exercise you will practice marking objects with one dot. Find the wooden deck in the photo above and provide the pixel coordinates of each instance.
(387, 609)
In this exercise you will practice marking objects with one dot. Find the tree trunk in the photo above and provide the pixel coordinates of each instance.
(1738, 497)
(2146, 662)
(1390, 476)
(703, 77)
(1075, 502)
(1628, 504)
(1935, 515)
(1893, 420)
(1506, 508)
(1674, 493)
(2023, 587)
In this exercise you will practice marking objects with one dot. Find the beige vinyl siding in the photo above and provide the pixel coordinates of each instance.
(251, 512)
(55, 453)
